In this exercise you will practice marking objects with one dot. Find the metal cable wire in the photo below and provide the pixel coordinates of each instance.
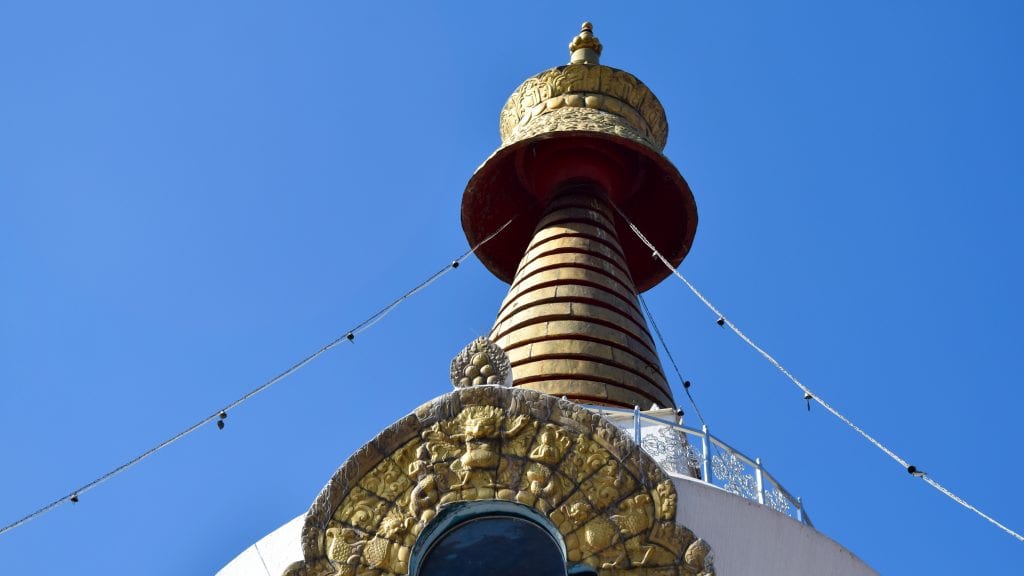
(672, 360)
(682, 382)
(262, 561)
(347, 336)
(723, 320)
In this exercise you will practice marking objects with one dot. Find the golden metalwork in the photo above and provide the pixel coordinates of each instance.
(589, 89)
(480, 425)
(614, 508)
(552, 443)
(481, 362)
(665, 496)
(596, 124)
(585, 39)
(344, 548)
(571, 324)
(584, 84)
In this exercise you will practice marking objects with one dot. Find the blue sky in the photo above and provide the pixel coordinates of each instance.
(194, 195)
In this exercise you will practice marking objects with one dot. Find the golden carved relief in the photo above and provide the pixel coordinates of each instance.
(480, 430)
(362, 510)
(552, 444)
(481, 362)
(614, 509)
(386, 481)
(424, 496)
(518, 435)
(344, 548)
(581, 120)
(665, 497)
(634, 515)
(585, 86)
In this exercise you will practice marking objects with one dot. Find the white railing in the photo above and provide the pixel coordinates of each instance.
(675, 447)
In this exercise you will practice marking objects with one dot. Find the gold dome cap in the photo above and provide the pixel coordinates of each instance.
(584, 95)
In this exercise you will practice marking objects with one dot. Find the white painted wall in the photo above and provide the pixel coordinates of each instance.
(748, 538)
(271, 554)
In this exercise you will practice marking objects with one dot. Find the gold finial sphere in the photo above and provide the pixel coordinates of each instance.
(587, 26)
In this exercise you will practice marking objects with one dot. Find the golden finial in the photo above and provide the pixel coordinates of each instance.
(585, 48)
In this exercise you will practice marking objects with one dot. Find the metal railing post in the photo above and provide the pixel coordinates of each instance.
(636, 425)
(759, 475)
(705, 446)
(707, 460)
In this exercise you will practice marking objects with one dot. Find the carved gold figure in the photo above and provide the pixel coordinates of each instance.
(551, 445)
(480, 433)
(344, 549)
(609, 514)
(667, 500)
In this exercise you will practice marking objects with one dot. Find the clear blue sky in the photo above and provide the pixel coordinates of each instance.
(193, 195)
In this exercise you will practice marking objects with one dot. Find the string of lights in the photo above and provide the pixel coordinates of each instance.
(808, 394)
(220, 415)
(683, 382)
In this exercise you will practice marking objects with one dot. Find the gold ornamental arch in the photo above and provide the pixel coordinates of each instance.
(612, 504)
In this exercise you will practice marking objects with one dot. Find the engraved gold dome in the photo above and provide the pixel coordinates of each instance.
(585, 97)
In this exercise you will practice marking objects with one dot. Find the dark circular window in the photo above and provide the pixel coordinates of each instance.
(494, 546)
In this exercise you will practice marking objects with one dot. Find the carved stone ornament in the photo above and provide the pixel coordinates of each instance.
(481, 362)
(613, 506)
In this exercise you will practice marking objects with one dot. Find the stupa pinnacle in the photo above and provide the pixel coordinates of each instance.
(503, 477)
(578, 141)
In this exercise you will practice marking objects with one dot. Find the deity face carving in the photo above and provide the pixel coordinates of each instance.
(481, 423)
(480, 431)
(485, 427)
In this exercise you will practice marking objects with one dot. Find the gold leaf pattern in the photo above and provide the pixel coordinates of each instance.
(488, 443)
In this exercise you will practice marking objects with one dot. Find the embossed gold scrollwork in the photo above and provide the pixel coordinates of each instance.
(614, 510)
(585, 86)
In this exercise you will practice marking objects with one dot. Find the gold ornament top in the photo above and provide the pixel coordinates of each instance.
(585, 96)
(583, 41)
